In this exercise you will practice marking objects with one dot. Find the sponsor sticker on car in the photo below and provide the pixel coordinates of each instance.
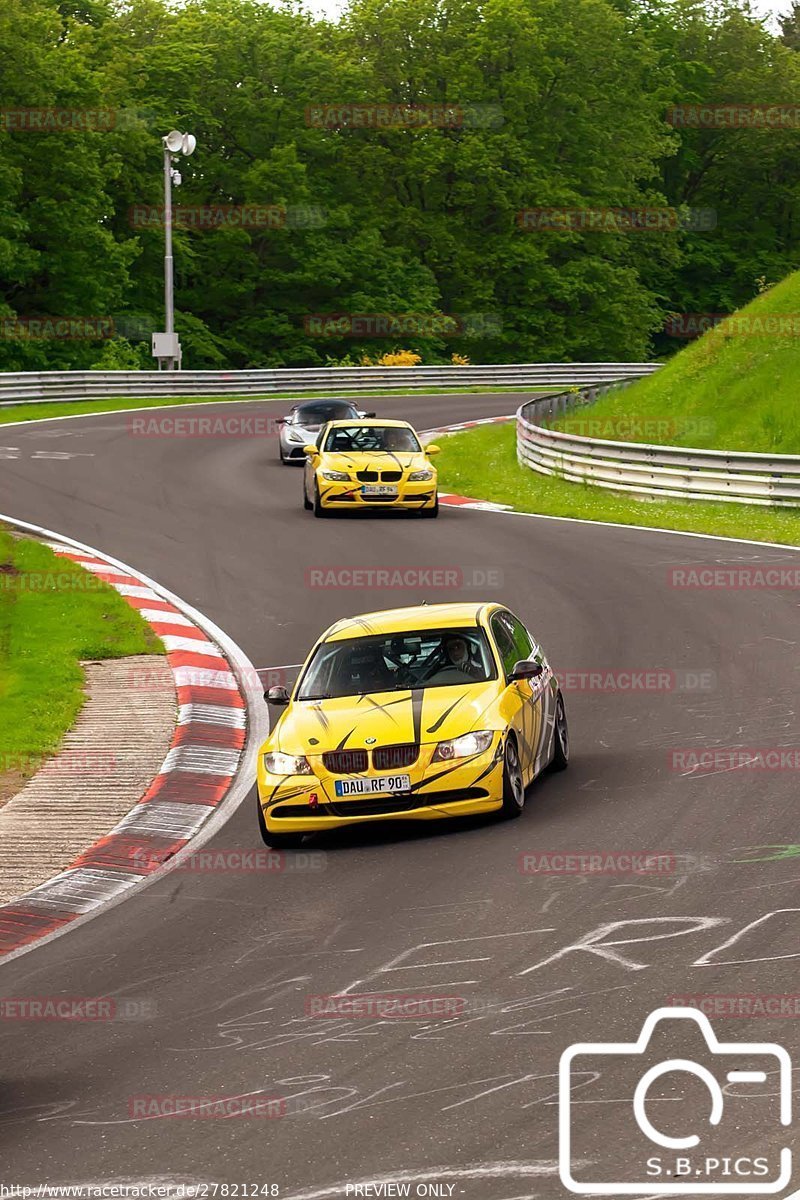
(368, 787)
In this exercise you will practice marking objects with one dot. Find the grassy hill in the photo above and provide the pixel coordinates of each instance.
(735, 388)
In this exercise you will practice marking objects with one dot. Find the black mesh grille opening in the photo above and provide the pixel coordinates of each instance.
(345, 762)
(390, 758)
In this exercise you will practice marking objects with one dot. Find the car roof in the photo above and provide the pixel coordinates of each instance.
(373, 421)
(411, 619)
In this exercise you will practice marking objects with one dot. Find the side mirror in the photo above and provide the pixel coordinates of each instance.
(526, 668)
(277, 695)
(432, 449)
(370, 415)
(310, 451)
(280, 421)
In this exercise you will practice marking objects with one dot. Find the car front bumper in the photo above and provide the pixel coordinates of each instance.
(458, 787)
(348, 494)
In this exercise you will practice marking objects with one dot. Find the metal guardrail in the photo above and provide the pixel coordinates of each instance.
(55, 386)
(651, 470)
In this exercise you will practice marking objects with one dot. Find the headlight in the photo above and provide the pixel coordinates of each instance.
(463, 747)
(341, 476)
(294, 436)
(286, 764)
(418, 476)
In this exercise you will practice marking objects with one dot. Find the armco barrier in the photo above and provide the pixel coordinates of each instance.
(651, 470)
(53, 386)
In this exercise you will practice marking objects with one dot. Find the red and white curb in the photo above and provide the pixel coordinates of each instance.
(429, 433)
(451, 499)
(207, 772)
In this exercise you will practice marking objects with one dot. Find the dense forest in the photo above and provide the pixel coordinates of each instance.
(497, 180)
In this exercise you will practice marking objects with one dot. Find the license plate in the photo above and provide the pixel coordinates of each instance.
(378, 489)
(368, 787)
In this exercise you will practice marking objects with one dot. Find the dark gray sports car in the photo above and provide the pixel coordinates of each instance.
(306, 420)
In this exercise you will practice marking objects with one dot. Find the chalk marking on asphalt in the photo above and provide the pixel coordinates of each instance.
(391, 964)
(592, 943)
(706, 959)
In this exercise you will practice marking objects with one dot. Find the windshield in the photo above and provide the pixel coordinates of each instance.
(320, 414)
(397, 662)
(392, 439)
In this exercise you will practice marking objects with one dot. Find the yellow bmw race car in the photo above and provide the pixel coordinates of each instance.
(417, 713)
(369, 464)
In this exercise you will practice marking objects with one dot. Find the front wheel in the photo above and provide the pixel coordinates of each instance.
(319, 511)
(431, 512)
(560, 760)
(513, 787)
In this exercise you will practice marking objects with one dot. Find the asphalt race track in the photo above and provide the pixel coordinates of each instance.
(226, 960)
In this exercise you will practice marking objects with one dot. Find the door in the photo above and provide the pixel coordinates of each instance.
(515, 643)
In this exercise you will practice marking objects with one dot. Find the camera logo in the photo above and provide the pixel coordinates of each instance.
(701, 1154)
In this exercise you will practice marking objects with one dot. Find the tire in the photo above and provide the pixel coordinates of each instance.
(307, 505)
(513, 787)
(284, 460)
(319, 511)
(560, 760)
(277, 841)
(430, 512)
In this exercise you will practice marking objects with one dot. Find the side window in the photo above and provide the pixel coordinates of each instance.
(505, 642)
(519, 635)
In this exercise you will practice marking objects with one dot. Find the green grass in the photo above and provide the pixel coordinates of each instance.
(53, 615)
(482, 463)
(73, 408)
(734, 389)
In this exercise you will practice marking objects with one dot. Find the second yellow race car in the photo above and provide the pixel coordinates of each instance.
(416, 713)
(369, 464)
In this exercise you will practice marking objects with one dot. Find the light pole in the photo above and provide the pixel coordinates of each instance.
(166, 346)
